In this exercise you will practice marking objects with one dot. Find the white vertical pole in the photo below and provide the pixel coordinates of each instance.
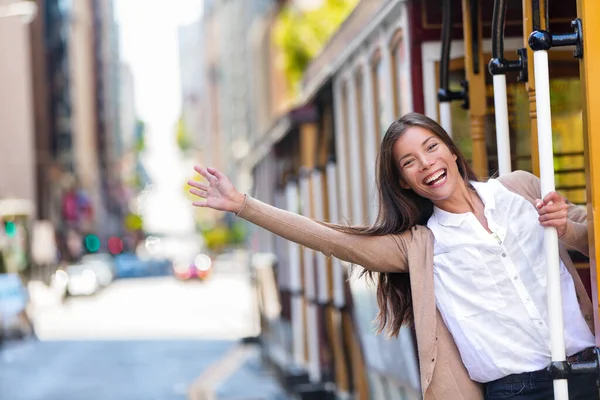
(389, 113)
(284, 355)
(544, 122)
(446, 117)
(323, 282)
(339, 299)
(502, 134)
(371, 137)
(340, 145)
(314, 364)
(357, 192)
(295, 283)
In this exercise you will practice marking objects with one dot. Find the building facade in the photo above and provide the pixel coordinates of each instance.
(62, 81)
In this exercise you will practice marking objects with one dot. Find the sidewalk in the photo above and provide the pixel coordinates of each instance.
(240, 375)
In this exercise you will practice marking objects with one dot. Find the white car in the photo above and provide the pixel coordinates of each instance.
(102, 265)
(82, 280)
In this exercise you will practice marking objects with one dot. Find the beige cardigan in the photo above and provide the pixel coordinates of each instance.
(443, 375)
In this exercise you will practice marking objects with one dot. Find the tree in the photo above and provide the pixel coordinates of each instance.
(301, 35)
(182, 136)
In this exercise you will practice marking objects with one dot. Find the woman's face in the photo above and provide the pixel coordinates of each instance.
(426, 164)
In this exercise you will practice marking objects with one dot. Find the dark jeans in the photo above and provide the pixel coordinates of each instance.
(539, 386)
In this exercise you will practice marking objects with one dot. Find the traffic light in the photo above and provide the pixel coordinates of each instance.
(91, 243)
(115, 245)
(10, 228)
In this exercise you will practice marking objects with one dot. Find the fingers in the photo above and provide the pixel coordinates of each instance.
(216, 173)
(199, 203)
(558, 223)
(553, 197)
(553, 202)
(206, 174)
(199, 193)
(554, 216)
(198, 185)
(553, 208)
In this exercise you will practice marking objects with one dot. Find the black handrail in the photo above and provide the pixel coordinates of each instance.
(444, 92)
(544, 40)
(498, 65)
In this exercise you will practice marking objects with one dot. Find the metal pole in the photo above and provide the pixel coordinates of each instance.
(322, 281)
(446, 117)
(291, 192)
(500, 97)
(312, 331)
(502, 134)
(445, 95)
(540, 42)
(498, 67)
(544, 120)
(338, 272)
(557, 338)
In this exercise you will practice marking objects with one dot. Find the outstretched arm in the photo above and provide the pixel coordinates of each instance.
(377, 253)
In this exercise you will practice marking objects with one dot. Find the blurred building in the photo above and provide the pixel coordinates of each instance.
(228, 25)
(17, 141)
(60, 132)
(110, 139)
(127, 112)
(191, 66)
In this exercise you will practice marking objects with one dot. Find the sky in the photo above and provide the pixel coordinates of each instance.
(148, 40)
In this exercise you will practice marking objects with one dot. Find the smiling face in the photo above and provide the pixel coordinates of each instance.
(426, 164)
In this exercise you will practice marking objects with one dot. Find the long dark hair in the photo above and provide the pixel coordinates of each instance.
(399, 210)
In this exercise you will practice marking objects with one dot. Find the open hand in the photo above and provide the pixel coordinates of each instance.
(553, 211)
(218, 193)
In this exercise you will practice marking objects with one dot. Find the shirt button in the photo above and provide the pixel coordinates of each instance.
(540, 323)
(503, 254)
(516, 278)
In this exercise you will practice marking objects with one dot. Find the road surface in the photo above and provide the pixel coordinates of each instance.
(142, 339)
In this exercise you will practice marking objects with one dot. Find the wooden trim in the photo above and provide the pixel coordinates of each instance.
(589, 12)
(359, 374)
(416, 60)
(477, 107)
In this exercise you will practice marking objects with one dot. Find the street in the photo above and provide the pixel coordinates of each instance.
(147, 338)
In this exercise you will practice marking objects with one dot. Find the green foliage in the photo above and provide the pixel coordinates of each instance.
(140, 136)
(216, 238)
(302, 34)
(220, 236)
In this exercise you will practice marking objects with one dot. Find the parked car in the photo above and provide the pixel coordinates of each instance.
(14, 299)
(82, 280)
(103, 266)
(129, 265)
(200, 268)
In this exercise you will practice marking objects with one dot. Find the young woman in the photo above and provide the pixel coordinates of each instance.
(474, 254)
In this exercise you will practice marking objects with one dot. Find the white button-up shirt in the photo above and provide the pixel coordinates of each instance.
(491, 288)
